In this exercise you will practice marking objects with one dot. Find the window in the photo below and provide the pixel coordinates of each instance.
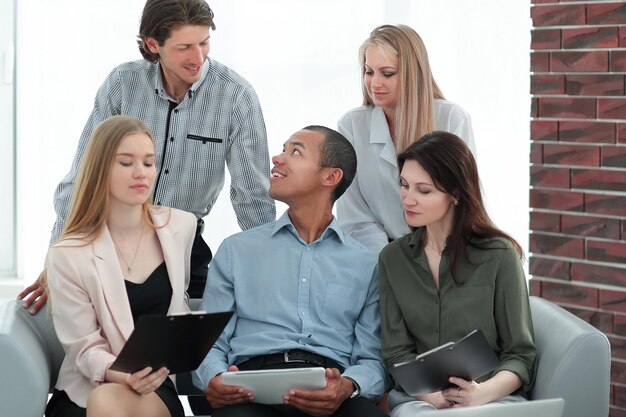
(7, 139)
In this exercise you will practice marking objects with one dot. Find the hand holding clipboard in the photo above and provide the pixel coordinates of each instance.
(469, 358)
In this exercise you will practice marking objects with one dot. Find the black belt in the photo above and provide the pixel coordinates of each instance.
(289, 356)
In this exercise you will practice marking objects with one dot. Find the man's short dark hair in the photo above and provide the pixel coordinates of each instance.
(159, 17)
(336, 152)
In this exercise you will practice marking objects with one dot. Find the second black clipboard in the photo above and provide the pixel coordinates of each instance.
(469, 358)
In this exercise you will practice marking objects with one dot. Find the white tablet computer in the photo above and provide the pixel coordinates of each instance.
(269, 386)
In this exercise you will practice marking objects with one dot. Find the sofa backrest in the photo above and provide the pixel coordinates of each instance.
(31, 355)
(574, 361)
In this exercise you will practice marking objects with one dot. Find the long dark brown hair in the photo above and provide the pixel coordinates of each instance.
(452, 167)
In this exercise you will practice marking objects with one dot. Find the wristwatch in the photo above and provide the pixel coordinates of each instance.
(357, 389)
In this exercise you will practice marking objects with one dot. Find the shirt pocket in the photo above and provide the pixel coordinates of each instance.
(342, 305)
(205, 139)
(206, 151)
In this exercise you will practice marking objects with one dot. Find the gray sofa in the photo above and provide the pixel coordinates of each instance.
(574, 361)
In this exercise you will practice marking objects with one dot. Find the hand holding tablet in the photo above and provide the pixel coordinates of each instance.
(269, 386)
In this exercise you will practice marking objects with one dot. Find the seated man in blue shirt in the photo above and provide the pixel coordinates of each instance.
(302, 286)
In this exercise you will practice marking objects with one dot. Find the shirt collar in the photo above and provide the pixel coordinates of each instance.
(416, 242)
(160, 88)
(379, 127)
(416, 245)
(284, 222)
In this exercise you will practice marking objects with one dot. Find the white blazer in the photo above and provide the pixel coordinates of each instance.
(371, 209)
(90, 308)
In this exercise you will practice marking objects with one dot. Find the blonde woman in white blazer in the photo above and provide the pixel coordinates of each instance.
(401, 103)
(118, 257)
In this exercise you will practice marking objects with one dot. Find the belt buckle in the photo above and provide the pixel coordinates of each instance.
(289, 360)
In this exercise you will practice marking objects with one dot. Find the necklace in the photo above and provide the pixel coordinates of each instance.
(129, 265)
(439, 252)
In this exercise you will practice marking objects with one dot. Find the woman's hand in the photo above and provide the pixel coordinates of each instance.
(142, 382)
(471, 393)
(464, 393)
(434, 398)
(145, 381)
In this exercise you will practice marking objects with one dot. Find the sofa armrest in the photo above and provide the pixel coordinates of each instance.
(574, 360)
(30, 358)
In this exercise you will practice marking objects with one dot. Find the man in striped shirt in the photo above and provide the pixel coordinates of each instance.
(203, 116)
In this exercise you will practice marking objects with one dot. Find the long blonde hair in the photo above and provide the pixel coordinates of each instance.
(417, 89)
(90, 201)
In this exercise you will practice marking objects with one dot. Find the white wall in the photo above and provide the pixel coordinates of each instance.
(301, 56)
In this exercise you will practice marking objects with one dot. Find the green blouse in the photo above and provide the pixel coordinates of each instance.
(417, 316)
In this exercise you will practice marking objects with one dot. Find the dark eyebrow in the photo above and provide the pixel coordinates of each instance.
(417, 183)
(294, 143)
(187, 44)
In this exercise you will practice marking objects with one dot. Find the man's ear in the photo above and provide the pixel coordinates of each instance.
(332, 177)
(152, 45)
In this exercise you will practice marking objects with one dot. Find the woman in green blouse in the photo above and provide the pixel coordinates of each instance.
(455, 272)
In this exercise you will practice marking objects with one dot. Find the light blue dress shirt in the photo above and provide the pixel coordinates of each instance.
(320, 297)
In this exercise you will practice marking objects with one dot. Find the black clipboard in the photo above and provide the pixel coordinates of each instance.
(178, 342)
(469, 358)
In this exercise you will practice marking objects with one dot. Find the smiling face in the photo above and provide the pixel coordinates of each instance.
(380, 77)
(182, 56)
(422, 202)
(133, 171)
(296, 172)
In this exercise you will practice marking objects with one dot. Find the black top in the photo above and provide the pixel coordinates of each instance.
(153, 296)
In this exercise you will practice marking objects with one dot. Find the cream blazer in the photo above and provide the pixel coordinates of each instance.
(371, 209)
(90, 308)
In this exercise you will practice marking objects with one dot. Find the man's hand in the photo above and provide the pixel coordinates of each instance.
(221, 395)
(322, 402)
(34, 296)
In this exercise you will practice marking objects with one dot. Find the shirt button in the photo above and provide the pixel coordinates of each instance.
(175, 110)
(167, 171)
(308, 248)
(172, 139)
(303, 314)
(303, 279)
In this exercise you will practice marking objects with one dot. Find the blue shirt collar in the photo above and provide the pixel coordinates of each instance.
(284, 222)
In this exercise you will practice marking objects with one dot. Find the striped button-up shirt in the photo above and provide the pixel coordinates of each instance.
(218, 122)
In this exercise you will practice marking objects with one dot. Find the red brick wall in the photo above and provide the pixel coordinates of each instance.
(578, 167)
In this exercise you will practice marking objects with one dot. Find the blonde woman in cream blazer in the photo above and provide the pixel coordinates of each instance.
(119, 257)
(90, 307)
